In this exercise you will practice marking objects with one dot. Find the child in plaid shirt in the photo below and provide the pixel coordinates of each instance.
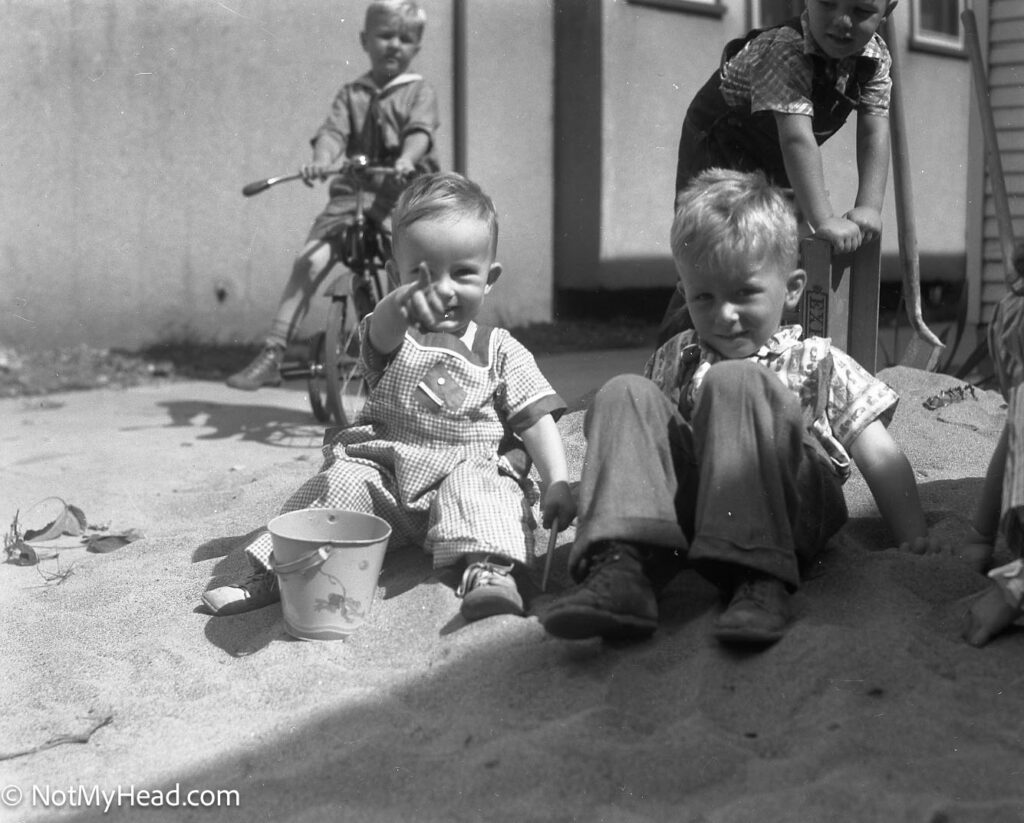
(1001, 506)
(730, 454)
(779, 94)
(435, 449)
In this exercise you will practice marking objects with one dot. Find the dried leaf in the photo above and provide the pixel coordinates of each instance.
(957, 394)
(71, 521)
(101, 544)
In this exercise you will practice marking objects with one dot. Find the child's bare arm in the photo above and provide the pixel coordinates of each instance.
(980, 544)
(415, 145)
(872, 174)
(389, 321)
(326, 151)
(421, 303)
(891, 480)
(989, 507)
(544, 445)
(807, 176)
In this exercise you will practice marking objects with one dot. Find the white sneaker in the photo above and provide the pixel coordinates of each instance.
(262, 589)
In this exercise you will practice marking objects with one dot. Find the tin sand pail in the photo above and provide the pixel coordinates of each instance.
(327, 562)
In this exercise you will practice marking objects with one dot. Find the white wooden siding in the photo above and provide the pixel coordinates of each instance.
(1006, 94)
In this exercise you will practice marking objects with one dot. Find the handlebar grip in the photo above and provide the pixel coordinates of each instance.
(263, 185)
(256, 187)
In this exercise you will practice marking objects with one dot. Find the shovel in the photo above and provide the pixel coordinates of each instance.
(924, 348)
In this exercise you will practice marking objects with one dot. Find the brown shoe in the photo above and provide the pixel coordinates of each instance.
(263, 371)
(488, 589)
(758, 613)
(615, 600)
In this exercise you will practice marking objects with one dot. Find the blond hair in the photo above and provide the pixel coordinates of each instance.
(724, 216)
(412, 17)
(439, 196)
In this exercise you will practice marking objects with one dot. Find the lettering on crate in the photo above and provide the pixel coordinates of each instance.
(815, 312)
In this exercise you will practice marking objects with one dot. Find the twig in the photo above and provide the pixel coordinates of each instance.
(57, 577)
(13, 536)
(552, 540)
(60, 741)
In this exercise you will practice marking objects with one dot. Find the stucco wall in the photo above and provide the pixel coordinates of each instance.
(130, 127)
(656, 60)
(509, 111)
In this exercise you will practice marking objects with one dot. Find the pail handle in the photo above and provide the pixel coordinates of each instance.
(304, 563)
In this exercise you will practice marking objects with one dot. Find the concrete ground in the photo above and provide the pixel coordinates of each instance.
(184, 443)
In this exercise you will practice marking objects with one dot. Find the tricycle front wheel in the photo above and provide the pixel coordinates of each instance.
(346, 388)
(316, 381)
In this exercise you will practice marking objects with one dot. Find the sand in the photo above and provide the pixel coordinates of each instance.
(872, 708)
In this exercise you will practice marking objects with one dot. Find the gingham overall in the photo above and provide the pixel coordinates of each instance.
(434, 451)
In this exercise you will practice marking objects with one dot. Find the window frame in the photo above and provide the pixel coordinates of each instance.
(936, 42)
(708, 8)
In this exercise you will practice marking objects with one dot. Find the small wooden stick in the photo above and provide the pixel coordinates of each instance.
(60, 741)
(552, 539)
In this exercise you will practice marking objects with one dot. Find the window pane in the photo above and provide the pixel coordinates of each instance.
(940, 16)
(774, 12)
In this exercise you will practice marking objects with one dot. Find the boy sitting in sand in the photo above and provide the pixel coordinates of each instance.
(730, 454)
(433, 451)
(1001, 506)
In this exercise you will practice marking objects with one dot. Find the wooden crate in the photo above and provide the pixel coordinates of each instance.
(841, 298)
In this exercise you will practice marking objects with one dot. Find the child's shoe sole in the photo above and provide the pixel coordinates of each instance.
(579, 622)
(481, 603)
(758, 614)
(488, 589)
(748, 635)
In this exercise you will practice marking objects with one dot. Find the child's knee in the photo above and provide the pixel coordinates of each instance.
(312, 261)
(624, 396)
(627, 389)
(735, 374)
(737, 377)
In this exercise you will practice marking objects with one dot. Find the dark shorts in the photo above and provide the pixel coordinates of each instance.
(340, 212)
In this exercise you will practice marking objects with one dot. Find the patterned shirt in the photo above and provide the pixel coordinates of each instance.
(836, 414)
(772, 73)
(366, 119)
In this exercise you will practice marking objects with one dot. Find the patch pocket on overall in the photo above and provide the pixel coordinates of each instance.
(439, 390)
